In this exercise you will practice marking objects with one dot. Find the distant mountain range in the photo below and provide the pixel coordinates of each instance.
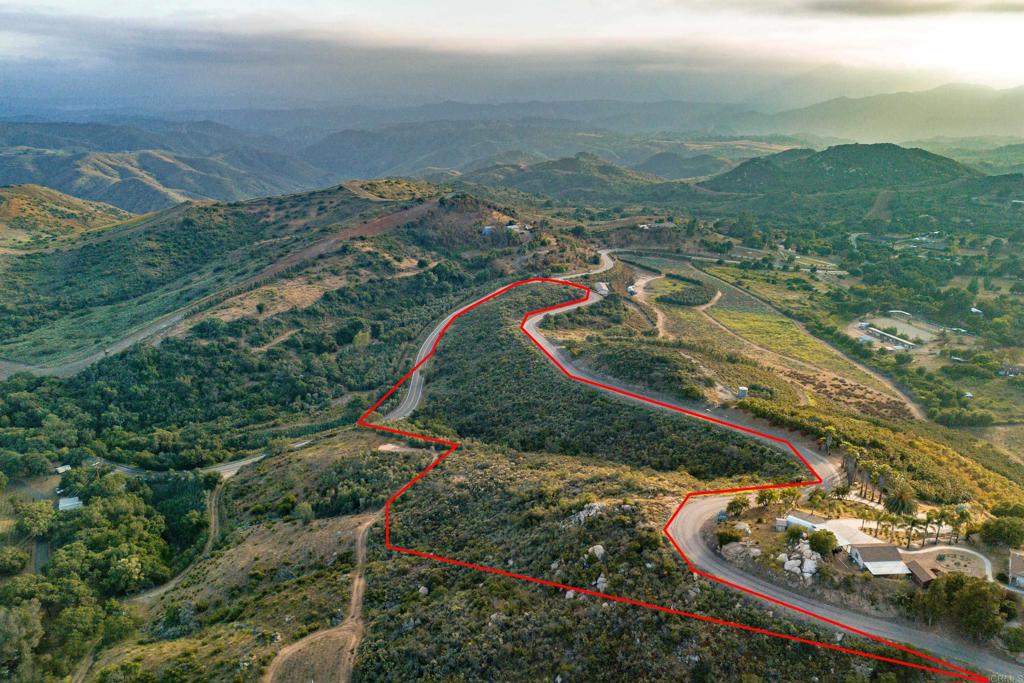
(951, 111)
(144, 164)
(142, 170)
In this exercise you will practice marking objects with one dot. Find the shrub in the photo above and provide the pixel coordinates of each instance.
(727, 536)
(794, 533)
(1014, 639)
(12, 561)
(823, 542)
(1007, 531)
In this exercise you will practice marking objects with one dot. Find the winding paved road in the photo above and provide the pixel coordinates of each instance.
(685, 529)
(414, 393)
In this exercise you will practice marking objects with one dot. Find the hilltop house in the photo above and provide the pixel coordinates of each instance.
(1016, 573)
(881, 559)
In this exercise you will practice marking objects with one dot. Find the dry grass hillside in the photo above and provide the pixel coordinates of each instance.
(33, 216)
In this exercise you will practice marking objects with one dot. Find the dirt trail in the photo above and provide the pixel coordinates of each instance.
(641, 295)
(330, 654)
(147, 598)
(356, 188)
(714, 300)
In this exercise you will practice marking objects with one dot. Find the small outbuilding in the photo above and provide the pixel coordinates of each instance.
(69, 503)
(920, 574)
(61, 469)
(805, 519)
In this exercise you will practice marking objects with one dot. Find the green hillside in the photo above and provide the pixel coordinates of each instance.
(581, 178)
(31, 215)
(71, 300)
(841, 168)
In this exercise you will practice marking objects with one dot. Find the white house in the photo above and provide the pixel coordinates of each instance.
(72, 503)
(881, 559)
(61, 469)
(805, 519)
(1016, 572)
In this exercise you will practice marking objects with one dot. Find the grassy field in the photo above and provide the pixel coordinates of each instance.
(785, 337)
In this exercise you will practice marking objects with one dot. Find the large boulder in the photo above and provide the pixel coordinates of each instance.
(793, 566)
(598, 551)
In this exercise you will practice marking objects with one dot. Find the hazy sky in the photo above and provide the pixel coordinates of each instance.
(225, 53)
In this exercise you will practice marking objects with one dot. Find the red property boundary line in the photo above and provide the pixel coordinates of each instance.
(950, 670)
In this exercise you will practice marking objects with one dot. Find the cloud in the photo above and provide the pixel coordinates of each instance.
(119, 61)
(908, 8)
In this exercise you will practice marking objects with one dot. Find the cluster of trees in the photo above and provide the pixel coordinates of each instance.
(644, 362)
(1008, 531)
(693, 293)
(189, 402)
(354, 485)
(132, 533)
(975, 607)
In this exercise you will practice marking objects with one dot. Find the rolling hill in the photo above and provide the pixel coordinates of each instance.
(840, 168)
(142, 169)
(73, 300)
(32, 214)
(151, 179)
(582, 177)
(675, 166)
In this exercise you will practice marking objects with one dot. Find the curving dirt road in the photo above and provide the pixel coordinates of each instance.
(294, 664)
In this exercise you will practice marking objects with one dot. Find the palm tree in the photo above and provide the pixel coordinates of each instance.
(911, 524)
(929, 518)
(941, 517)
(878, 517)
(963, 515)
(901, 500)
(875, 475)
